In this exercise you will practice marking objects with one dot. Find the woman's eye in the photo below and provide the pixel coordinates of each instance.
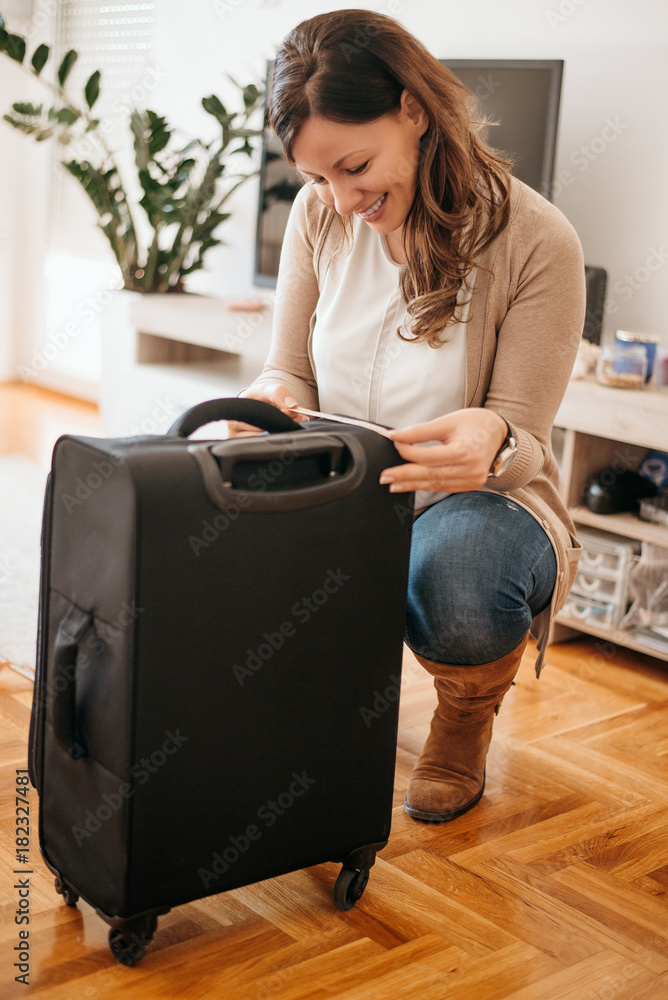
(356, 170)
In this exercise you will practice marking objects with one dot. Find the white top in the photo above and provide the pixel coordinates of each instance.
(362, 368)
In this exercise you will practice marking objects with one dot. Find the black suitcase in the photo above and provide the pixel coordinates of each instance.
(218, 664)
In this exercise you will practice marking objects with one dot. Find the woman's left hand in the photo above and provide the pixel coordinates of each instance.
(468, 441)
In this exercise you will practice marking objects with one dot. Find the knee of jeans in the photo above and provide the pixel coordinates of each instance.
(464, 625)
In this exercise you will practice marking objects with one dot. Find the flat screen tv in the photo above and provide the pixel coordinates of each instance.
(522, 95)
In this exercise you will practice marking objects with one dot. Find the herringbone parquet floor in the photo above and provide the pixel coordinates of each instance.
(553, 888)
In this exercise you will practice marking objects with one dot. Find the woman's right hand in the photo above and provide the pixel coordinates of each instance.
(273, 393)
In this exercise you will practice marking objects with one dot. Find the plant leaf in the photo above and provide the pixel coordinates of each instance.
(2, 21)
(159, 133)
(66, 65)
(139, 125)
(251, 96)
(65, 116)
(92, 88)
(29, 110)
(39, 57)
(13, 45)
(213, 106)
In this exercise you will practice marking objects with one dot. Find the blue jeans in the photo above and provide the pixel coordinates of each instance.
(480, 568)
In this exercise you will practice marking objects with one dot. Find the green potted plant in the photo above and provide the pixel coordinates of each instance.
(184, 187)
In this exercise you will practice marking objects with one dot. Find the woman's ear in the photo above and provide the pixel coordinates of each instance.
(414, 111)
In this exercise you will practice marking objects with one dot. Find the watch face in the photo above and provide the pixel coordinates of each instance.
(504, 457)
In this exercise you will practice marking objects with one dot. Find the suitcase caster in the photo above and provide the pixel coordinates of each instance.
(70, 897)
(129, 940)
(124, 948)
(354, 875)
(349, 887)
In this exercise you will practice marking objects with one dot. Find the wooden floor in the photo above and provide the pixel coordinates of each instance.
(554, 887)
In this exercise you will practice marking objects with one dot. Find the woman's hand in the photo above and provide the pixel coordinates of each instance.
(273, 393)
(468, 441)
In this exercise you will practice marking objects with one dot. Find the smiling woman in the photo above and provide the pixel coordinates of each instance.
(423, 287)
(375, 182)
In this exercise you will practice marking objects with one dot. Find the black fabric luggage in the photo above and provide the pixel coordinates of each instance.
(219, 658)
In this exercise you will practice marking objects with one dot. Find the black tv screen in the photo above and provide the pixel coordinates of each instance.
(522, 95)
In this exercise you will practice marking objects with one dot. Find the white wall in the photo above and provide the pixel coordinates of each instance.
(25, 189)
(613, 139)
(24, 179)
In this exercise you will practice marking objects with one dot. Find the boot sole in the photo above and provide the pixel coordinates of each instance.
(445, 817)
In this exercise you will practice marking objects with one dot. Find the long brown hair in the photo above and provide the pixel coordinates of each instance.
(351, 66)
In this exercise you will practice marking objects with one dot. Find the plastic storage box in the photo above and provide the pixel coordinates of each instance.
(600, 591)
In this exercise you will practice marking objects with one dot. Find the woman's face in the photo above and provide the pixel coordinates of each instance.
(369, 170)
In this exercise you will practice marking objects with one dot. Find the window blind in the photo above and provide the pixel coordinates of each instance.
(115, 38)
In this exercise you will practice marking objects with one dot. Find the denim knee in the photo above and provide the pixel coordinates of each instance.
(481, 567)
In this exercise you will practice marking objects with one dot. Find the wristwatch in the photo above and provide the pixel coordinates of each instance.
(504, 456)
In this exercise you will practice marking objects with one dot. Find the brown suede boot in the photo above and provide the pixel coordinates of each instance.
(449, 777)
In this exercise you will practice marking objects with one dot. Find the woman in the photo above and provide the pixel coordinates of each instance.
(422, 287)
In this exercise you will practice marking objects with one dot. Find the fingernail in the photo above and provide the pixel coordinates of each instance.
(384, 480)
(289, 401)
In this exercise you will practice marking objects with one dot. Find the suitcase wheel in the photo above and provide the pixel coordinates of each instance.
(68, 894)
(124, 948)
(349, 887)
(128, 942)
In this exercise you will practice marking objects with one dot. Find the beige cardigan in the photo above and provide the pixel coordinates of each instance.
(525, 324)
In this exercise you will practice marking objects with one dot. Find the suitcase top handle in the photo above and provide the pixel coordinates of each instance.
(250, 411)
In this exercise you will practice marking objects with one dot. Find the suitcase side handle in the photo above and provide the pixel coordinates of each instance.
(250, 411)
(72, 629)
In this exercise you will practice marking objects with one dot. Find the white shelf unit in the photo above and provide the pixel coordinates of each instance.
(165, 353)
(606, 426)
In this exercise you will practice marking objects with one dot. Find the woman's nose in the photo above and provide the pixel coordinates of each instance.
(347, 197)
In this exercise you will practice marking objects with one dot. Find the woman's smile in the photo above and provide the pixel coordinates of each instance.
(374, 213)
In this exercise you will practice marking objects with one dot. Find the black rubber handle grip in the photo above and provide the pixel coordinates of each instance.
(66, 650)
(250, 411)
(264, 449)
